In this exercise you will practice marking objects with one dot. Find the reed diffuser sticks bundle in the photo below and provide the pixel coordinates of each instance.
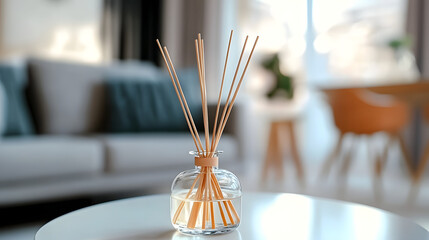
(205, 190)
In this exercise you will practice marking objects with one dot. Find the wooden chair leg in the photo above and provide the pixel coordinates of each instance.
(294, 150)
(407, 157)
(376, 160)
(381, 161)
(347, 159)
(373, 157)
(332, 157)
(277, 154)
(422, 164)
(268, 153)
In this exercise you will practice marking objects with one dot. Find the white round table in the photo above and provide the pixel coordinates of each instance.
(264, 216)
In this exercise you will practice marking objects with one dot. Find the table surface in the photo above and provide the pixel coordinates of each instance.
(264, 216)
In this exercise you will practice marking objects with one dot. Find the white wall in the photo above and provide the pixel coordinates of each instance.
(56, 28)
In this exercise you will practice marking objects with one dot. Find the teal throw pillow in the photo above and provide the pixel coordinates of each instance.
(2, 109)
(147, 104)
(17, 119)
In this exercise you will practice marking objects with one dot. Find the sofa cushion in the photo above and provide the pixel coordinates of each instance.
(152, 151)
(141, 103)
(38, 157)
(16, 117)
(68, 97)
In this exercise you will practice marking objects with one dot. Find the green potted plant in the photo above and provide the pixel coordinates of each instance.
(283, 86)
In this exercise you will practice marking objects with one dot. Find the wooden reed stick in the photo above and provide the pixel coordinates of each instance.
(222, 119)
(182, 102)
(201, 79)
(236, 92)
(211, 203)
(197, 54)
(233, 210)
(203, 92)
(196, 206)
(220, 93)
(219, 195)
(219, 204)
(206, 121)
(205, 198)
(179, 209)
(208, 176)
(203, 225)
(184, 99)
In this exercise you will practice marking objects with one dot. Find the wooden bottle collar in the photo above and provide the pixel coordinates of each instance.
(206, 161)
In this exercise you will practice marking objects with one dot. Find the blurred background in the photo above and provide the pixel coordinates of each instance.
(334, 105)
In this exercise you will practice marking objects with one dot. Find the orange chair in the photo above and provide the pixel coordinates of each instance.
(356, 112)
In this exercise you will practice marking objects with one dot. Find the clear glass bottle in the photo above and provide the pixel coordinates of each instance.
(200, 208)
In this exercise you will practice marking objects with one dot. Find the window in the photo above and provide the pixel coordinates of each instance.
(329, 39)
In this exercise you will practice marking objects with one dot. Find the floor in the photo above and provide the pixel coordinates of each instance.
(393, 192)
(21, 232)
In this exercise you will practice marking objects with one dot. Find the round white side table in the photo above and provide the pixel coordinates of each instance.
(264, 216)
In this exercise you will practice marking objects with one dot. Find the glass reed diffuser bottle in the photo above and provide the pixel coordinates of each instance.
(205, 200)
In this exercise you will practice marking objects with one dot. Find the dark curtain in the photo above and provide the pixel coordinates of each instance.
(130, 28)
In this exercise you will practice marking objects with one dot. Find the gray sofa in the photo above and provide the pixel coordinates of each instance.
(70, 156)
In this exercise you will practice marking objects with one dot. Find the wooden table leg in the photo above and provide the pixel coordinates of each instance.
(273, 157)
(294, 149)
(268, 156)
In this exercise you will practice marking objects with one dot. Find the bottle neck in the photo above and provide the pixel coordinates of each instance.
(200, 167)
(206, 159)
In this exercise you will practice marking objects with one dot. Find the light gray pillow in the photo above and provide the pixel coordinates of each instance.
(68, 98)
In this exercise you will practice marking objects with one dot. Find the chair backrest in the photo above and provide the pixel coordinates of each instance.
(355, 112)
